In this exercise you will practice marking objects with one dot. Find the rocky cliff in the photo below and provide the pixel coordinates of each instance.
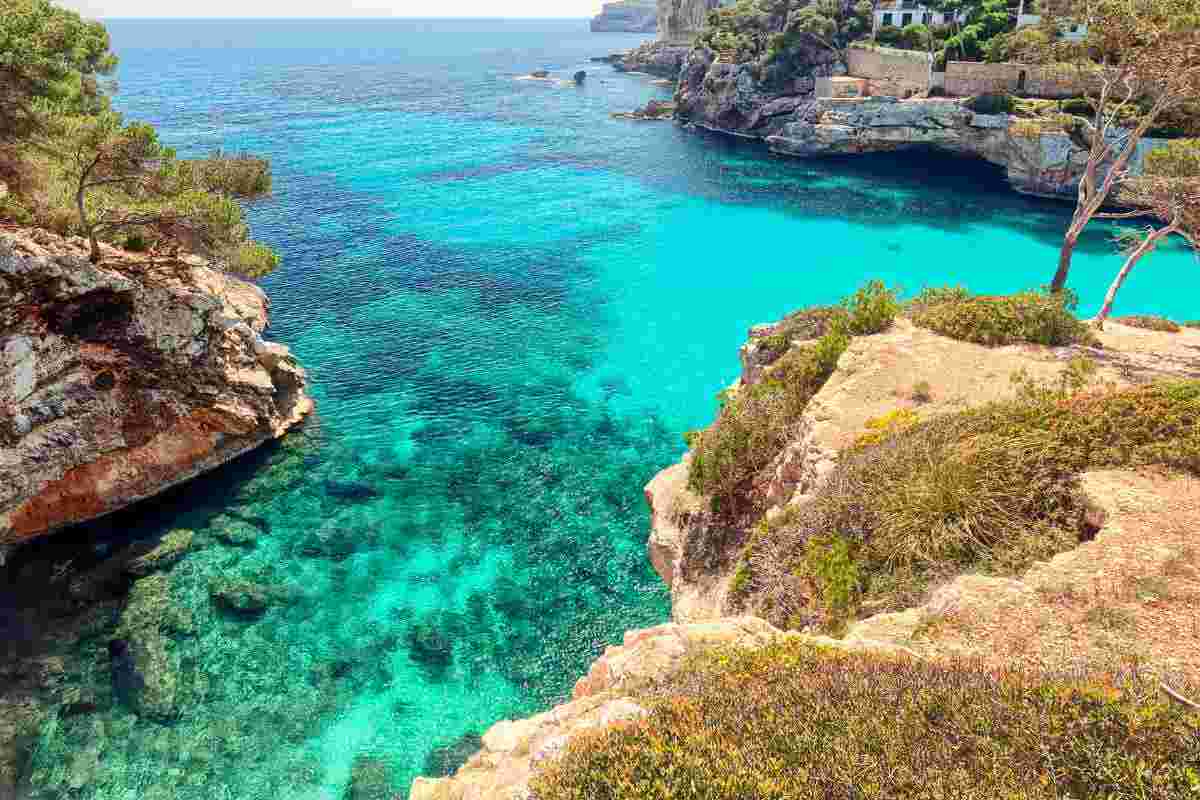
(123, 378)
(680, 20)
(696, 553)
(678, 23)
(626, 16)
(1038, 156)
(1144, 518)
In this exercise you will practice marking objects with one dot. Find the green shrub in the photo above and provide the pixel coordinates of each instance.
(829, 562)
(989, 489)
(889, 35)
(1078, 106)
(752, 428)
(1025, 317)
(915, 37)
(1195, 323)
(797, 722)
(1149, 322)
(871, 308)
(992, 103)
(800, 326)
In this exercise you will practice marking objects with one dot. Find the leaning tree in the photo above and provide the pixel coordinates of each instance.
(124, 179)
(1143, 61)
(1168, 196)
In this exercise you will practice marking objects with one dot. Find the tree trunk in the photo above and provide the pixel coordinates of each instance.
(1142, 249)
(1068, 250)
(95, 255)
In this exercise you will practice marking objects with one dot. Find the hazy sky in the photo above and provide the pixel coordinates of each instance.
(335, 8)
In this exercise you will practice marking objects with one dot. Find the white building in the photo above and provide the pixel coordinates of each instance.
(902, 13)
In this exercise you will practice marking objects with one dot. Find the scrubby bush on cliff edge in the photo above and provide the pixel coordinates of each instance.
(1023, 318)
(798, 722)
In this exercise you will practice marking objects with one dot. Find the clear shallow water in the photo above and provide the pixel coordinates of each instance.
(510, 307)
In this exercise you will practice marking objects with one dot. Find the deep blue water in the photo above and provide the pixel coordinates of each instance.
(510, 307)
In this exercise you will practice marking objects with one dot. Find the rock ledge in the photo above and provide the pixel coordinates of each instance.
(121, 379)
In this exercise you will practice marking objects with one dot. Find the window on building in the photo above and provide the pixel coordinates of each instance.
(887, 19)
(927, 18)
(906, 20)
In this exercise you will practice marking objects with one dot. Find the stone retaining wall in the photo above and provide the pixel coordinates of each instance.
(966, 78)
(898, 73)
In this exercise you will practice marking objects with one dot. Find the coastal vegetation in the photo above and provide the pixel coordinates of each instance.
(1025, 317)
(798, 721)
(991, 489)
(754, 424)
(915, 501)
(1168, 196)
(71, 164)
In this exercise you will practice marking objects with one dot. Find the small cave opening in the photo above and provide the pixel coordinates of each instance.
(99, 315)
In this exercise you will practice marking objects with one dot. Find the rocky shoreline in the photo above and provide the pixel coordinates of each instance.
(1038, 158)
(121, 379)
(695, 554)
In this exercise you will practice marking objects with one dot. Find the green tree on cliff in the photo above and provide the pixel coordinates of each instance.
(70, 163)
(50, 61)
(1143, 57)
(124, 179)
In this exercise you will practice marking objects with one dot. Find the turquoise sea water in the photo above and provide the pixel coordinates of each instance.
(510, 307)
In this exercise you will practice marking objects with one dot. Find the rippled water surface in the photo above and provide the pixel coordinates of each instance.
(510, 307)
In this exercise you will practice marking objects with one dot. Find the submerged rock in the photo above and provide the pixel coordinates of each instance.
(246, 597)
(123, 378)
(234, 531)
(127, 682)
(350, 490)
(370, 779)
(144, 666)
(173, 546)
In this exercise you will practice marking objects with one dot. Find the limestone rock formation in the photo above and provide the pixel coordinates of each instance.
(514, 750)
(123, 378)
(780, 108)
(696, 555)
(626, 16)
(1036, 161)
(661, 58)
(680, 20)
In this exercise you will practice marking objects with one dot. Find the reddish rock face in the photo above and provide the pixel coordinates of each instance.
(123, 378)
